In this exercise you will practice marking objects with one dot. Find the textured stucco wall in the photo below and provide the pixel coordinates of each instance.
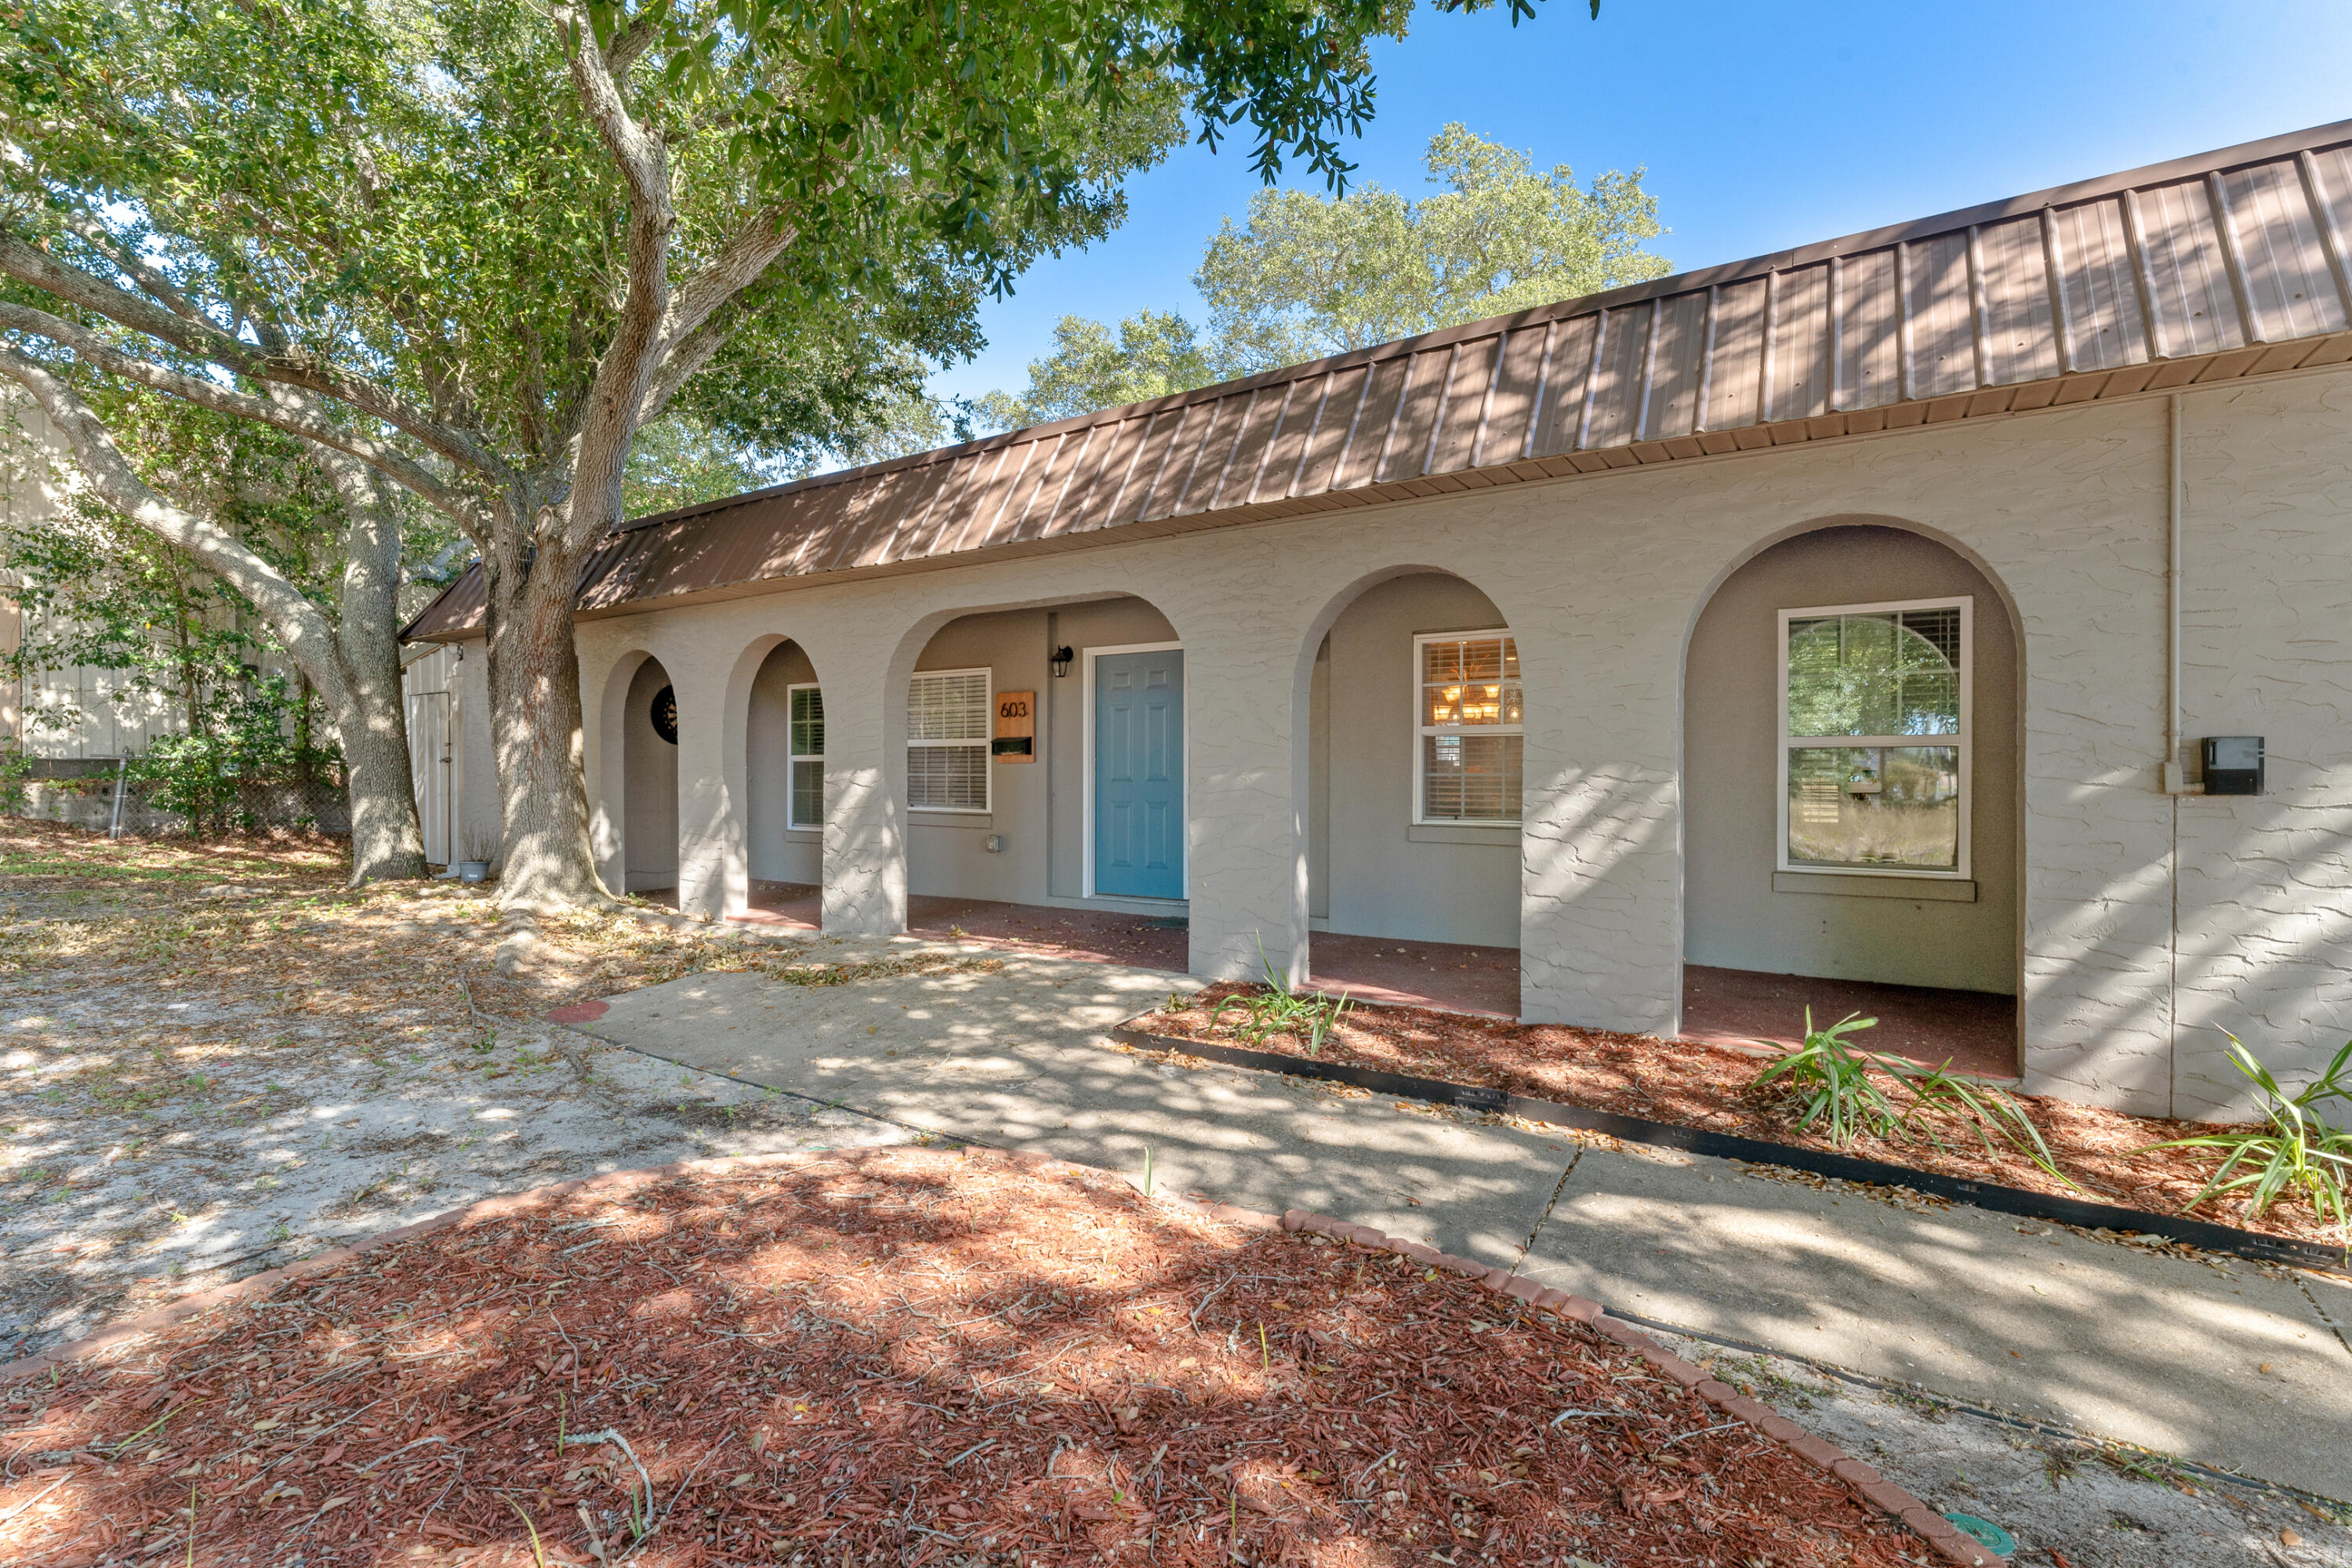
(1601, 578)
(1842, 926)
(1385, 876)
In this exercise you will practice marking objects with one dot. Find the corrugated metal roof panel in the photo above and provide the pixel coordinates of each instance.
(2288, 280)
(2020, 333)
(2195, 311)
(2199, 270)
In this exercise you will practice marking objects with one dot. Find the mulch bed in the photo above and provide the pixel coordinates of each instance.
(1692, 1084)
(902, 1357)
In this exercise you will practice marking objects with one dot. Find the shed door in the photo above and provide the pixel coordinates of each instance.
(1140, 774)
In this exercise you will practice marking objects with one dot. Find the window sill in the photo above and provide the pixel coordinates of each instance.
(1865, 885)
(938, 817)
(1462, 833)
(803, 835)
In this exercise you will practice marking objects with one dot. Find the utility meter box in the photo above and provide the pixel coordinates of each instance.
(2234, 764)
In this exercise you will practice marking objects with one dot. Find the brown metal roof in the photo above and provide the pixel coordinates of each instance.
(2227, 265)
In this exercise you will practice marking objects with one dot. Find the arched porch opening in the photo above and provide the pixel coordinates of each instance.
(1409, 793)
(641, 714)
(1851, 783)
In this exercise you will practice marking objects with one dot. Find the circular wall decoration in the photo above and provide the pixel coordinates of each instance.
(665, 715)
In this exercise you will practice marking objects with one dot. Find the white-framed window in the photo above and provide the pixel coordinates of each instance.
(1469, 735)
(948, 727)
(804, 775)
(1875, 714)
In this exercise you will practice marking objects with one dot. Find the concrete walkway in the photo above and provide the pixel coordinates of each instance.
(2239, 1366)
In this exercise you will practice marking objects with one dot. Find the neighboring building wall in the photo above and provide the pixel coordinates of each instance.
(1601, 578)
(428, 688)
(1385, 876)
(1843, 927)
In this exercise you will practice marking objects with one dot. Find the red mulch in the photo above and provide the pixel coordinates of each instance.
(899, 1357)
(1692, 1084)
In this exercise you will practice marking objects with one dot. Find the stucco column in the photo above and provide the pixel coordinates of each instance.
(1601, 852)
(864, 764)
(1246, 879)
(712, 881)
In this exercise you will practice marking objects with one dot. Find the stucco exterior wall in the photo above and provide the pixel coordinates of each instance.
(1737, 915)
(1601, 578)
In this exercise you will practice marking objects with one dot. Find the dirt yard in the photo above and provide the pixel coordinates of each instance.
(213, 1061)
(906, 1357)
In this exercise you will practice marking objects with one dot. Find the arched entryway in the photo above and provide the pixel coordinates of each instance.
(783, 788)
(648, 721)
(1415, 736)
(1850, 782)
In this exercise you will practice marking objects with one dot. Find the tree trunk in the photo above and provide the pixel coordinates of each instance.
(369, 711)
(386, 843)
(536, 731)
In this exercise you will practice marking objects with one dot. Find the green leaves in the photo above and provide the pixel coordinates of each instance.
(1306, 276)
(1838, 1089)
(2291, 1151)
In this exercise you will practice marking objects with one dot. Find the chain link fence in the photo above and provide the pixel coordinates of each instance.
(82, 791)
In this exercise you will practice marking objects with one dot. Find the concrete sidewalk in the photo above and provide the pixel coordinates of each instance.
(2241, 1366)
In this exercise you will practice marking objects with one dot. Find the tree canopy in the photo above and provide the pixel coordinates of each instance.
(475, 246)
(1308, 274)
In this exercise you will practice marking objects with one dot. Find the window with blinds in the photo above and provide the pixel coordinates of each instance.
(1874, 738)
(806, 776)
(948, 724)
(1469, 723)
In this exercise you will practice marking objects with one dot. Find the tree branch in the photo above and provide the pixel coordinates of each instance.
(292, 618)
(29, 264)
(626, 367)
(738, 266)
(304, 419)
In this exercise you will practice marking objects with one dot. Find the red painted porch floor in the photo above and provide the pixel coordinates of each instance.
(1976, 1031)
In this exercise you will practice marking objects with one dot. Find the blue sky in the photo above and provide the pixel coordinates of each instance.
(1762, 126)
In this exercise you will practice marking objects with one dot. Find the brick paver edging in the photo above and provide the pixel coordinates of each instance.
(1875, 1488)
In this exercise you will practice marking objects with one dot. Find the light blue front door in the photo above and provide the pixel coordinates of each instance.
(1140, 774)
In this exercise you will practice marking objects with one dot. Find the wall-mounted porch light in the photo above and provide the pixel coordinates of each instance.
(1061, 659)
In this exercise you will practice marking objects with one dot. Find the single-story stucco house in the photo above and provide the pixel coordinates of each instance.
(1858, 612)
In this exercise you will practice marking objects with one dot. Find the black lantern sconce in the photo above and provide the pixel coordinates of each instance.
(1061, 660)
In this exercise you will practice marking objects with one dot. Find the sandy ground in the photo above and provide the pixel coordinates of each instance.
(197, 1085)
(2065, 1500)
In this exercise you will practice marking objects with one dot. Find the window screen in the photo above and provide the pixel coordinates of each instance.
(1469, 716)
(1874, 684)
(807, 749)
(947, 740)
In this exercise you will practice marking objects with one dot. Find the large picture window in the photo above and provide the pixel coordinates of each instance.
(1874, 738)
(806, 776)
(1469, 734)
(947, 726)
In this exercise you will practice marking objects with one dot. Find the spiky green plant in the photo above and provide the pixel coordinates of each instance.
(1276, 1010)
(2290, 1149)
(1832, 1083)
(1838, 1088)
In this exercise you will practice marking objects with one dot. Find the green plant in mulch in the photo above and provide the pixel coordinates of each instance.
(1850, 1093)
(1276, 1010)
(2290, 1149)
